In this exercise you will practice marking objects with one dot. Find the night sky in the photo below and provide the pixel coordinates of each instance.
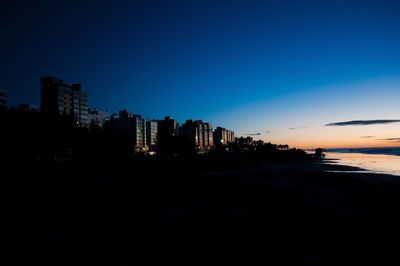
(284, 69)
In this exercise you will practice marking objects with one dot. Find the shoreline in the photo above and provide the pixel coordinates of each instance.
(369, 163)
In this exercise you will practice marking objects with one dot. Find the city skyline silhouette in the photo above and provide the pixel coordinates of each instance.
(201, 132)
(252, 66)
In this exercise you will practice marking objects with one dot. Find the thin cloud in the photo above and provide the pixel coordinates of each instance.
(392, 139)
(267, 132)
(367, 137)
(293, 128)
(363, 122)
(253, 134)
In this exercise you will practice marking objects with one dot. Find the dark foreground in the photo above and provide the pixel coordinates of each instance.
(181, 212)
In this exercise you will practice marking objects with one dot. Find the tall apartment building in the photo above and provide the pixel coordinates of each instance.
(208, 138)
(3, 98)
(58, 97)
(230, 138)
(134, 128)
(151, 134)
(167, 132)
(223, 136)
(140, 132)
(167, 128)
(200, 133)
(190, 130)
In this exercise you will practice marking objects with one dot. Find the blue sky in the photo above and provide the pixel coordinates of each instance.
(214, 60)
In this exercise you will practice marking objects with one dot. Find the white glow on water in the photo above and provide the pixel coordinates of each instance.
(377, 163)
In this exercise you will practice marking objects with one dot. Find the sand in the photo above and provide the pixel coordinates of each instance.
(188, 213)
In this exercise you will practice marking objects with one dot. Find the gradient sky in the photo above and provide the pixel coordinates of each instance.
(280, 68)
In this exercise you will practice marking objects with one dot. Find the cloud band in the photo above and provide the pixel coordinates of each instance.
(363, 122)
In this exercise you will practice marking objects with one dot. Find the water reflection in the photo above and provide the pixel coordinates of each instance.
(377, 163)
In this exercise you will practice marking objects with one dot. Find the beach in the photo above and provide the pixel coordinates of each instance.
(189, 213)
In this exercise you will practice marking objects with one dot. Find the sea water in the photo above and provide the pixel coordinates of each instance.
(384, 161)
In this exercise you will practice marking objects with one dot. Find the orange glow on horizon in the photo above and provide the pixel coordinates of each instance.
(338, 137)
(344, 145)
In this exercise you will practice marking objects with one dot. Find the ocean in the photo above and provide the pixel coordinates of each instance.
(384, 151)
(376, 160)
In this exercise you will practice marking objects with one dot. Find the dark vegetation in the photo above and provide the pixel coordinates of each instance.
(92, 202)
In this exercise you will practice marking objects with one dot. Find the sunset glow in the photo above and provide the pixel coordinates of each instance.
(250, 66)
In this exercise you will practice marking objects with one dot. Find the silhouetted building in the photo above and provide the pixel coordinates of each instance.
(319, 153)
(26, 107)
(230, 136)
(220, 136)
(3, 98)
(151, 134)
(223, 136)
(140, 132)
(190, 131)
(170, 140)
(245, 144)
(167, 128)
(98, 118)
(283, 147)
(132, 127)
(200, 139)
(199, 133)
(208, 138)
(58, 97)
